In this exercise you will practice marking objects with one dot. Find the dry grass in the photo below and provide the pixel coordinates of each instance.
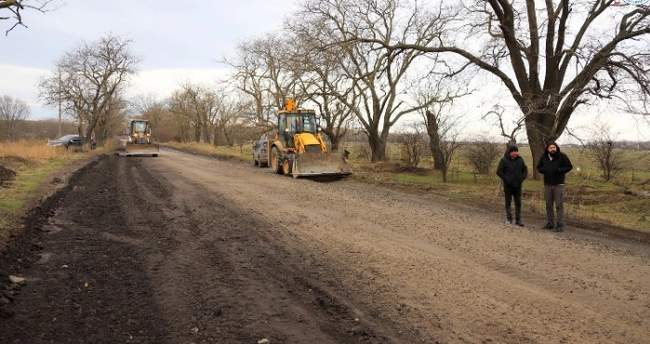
(33, 161)
(32, 150)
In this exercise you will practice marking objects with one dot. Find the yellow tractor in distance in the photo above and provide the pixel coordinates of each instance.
(297, 147)
(139, 141)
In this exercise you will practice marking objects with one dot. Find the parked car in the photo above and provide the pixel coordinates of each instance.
(66, 141)
(260, 152)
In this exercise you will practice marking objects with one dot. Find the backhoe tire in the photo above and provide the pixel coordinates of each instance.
(276, 164)
(287, 167)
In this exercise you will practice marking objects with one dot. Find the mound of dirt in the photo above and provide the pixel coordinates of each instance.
(6, 175)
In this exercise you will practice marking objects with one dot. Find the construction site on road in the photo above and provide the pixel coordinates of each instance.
(186, 249)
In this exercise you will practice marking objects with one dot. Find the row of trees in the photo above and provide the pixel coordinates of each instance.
(379, 60)
(373, 62)
(195, 113)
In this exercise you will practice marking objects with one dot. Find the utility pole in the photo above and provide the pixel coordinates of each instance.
(60, 112)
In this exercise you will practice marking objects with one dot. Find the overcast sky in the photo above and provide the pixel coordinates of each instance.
(180, 41)
(177, 41)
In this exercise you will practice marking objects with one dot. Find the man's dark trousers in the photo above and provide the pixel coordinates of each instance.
(510, 193)
(554, 195)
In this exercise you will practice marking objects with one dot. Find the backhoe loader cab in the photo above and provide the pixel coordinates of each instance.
(298, 148)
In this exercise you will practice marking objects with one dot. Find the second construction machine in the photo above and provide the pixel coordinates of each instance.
(139, 140)
(298, 148)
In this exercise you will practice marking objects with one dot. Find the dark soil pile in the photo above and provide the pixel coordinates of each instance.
(6, 175)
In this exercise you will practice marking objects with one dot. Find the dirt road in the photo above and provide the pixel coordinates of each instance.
(186, 249)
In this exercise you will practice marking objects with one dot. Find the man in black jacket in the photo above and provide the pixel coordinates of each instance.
(554, 165)
(512, 170)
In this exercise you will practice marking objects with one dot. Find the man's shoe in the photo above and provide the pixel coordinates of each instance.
(548, 226)
(519, 223)
(559, 228)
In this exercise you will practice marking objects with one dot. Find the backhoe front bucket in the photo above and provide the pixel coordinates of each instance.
(141, 149)
(320, 164)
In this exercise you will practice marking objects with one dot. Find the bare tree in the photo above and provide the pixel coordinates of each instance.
(229, 118)
(110, 123)
(481, 154)
(198, 106)
(443, 137)
(412, 146)
(552, 56)
(13, 10)
(509, 132)
(88, 79)
(377, 76)
(438, 96)
(264, 73)
(12, 112)
(602, 150)
(322, 81)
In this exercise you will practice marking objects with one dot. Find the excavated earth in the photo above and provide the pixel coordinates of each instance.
(187, 249)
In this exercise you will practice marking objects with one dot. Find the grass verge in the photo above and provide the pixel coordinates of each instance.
(33, 162)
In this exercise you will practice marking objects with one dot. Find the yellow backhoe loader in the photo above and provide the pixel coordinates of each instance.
(297, 147)
(139, 141)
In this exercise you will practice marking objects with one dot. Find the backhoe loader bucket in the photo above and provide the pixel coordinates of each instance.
(141, 149)
(320, 164)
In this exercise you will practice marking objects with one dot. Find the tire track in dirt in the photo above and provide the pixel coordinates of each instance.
(244, 287)
(91, 289)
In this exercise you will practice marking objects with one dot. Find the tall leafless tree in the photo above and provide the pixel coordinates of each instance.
(88, 79)
(442, 129)
(323, 82)
(378, 77)
(552, 56)
(13, 10)
(438, 95)
(263, 72)
(12, 112)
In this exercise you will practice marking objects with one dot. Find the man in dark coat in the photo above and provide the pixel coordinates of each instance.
(513, 171)
(554, 165)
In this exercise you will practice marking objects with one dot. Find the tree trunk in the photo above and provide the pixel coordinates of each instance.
(377, 147)
(215, 135)
(436, 152)
(197, 133)
(335, 142)
(434, 141)
(539, 134)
